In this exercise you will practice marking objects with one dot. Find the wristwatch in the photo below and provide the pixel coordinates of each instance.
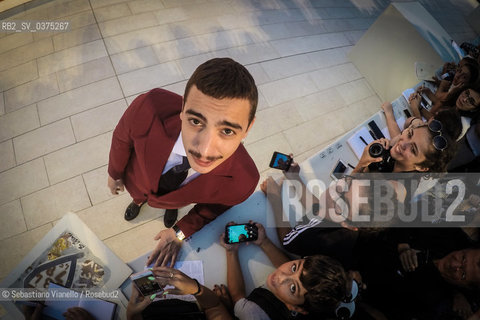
(178, 232)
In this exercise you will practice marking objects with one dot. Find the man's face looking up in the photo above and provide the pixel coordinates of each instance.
(212, 129)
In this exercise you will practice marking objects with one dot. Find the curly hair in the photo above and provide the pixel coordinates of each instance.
(326, 283)
(451, 121)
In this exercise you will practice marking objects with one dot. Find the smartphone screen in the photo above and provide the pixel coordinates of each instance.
(407, 113)
(339, 170)
(145, 283)
(425, 102)
(240, 233)
(280, 161)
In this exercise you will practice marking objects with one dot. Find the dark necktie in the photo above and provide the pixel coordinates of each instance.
(173, 178)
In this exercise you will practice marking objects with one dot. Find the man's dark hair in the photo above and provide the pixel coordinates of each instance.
(326, 283)
(221, 78)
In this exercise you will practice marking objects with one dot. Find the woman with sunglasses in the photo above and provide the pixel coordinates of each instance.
(419, 148)
(449, 117)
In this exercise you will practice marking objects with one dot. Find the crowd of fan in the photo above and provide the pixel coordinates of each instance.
(386, 272)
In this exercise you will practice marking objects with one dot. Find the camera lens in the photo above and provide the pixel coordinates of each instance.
(375, 150)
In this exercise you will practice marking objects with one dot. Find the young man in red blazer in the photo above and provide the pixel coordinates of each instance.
(160, 133)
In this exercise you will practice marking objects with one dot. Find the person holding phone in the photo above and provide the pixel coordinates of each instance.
(315, 284)
(142, 307)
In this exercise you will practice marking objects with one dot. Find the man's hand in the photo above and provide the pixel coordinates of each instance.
(137, 303)
(115, 185)
(166, 250)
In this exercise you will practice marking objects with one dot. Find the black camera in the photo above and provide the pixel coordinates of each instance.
(376, 150)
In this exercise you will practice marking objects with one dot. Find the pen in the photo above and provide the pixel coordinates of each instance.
(363, 140)
(350, 166)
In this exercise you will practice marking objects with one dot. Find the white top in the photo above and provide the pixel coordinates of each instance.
(176, 158)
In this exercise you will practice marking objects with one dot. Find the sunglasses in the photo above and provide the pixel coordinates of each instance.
(439, 141)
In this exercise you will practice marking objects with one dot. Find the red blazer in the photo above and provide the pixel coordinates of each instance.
(141, 145)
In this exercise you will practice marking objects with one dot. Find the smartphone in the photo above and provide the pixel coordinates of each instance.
(339, 170)
(407, 113)
(145, 282)
(425, 102)
(281, 161)
(240, 233)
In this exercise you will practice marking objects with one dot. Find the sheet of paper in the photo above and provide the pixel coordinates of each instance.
(356, 143)
(399, 105)
(406, 93)
(401, 122)
(386, 133)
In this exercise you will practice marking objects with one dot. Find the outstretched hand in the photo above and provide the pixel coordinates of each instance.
(166, 251)
(77, 313)
(115, 185)
(270, 187)
(408, 257)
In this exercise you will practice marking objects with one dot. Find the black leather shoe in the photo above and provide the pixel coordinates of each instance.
(132, 211)
(170, 217)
